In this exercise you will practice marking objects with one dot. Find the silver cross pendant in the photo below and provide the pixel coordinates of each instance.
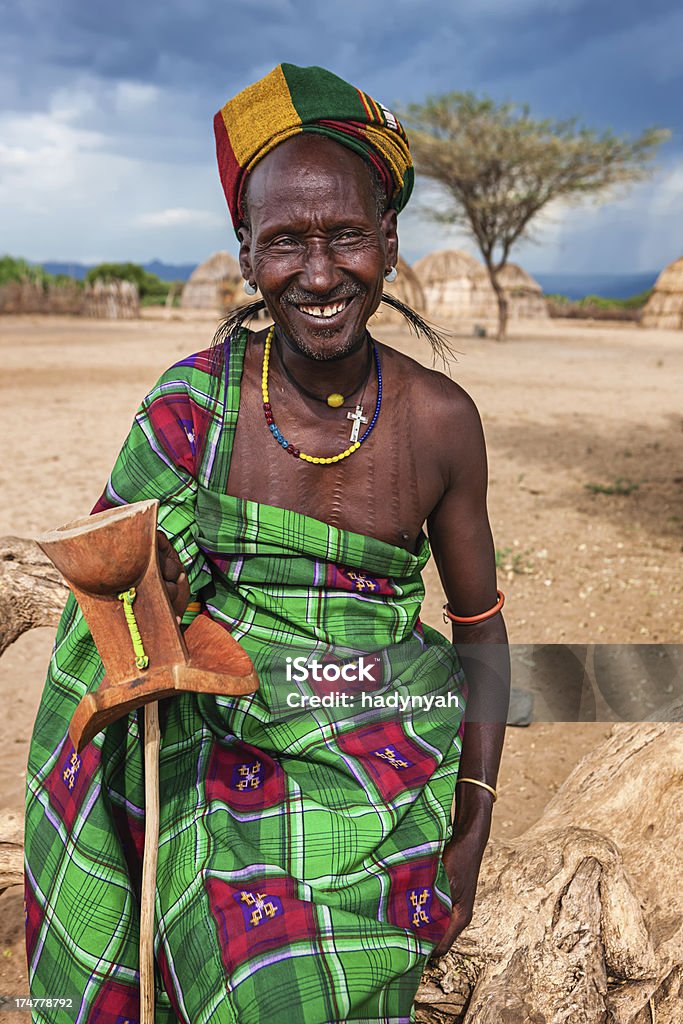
(357, 418)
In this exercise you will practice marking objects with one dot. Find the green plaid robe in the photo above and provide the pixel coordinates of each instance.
(299, 871)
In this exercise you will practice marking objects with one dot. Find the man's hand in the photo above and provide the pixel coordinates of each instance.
(462, 859)
(173, 574)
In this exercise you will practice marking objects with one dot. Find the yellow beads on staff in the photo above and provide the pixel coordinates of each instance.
(317, 460)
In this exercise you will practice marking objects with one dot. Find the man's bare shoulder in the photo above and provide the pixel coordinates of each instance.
(434, 399)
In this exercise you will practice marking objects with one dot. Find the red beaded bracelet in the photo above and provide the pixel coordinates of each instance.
(470, 620)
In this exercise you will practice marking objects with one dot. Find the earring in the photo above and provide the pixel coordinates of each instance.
(391, 275)
(250, 288)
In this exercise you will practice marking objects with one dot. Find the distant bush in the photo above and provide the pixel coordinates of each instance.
(13, 268)
(161, 299)
(152, 289)
(620, 486)
(65, 280)
(596, 307)
(28, 288)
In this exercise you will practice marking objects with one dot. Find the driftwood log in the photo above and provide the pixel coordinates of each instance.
(578, 921)
(11, 848)
(32, 593)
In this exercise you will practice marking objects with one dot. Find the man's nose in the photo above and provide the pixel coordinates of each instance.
(319, 273)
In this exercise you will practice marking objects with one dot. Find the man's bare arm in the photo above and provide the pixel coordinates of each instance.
(463, 548)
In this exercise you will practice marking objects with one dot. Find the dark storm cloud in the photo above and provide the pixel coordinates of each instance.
(600, 60)
(120, 96)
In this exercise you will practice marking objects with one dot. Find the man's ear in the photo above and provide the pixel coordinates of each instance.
(244, 235)
(389, 228)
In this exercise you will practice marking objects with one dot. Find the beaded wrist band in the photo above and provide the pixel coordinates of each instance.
(470, 620)
(484, 785)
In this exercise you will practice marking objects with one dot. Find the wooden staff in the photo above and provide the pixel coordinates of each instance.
(149, 863)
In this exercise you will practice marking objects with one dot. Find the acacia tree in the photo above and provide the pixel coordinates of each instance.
(499, 167)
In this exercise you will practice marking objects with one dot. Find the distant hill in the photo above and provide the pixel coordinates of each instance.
(170, 271)
(164, 271)
(607, 286)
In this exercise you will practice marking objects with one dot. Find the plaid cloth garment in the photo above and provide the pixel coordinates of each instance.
(299, 871)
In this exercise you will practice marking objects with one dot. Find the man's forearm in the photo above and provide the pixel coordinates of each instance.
(486, 662)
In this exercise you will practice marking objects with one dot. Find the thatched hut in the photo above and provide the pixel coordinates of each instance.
(525, 295)
(207, 283)
(447, 282)
(457, 286)
(111, 300)
(664, 308)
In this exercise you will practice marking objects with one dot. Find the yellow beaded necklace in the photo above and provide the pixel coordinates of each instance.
(292, 449)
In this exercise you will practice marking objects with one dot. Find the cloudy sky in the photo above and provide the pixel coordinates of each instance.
(106, 140)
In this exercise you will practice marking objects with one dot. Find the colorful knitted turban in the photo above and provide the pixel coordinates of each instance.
(291, 100)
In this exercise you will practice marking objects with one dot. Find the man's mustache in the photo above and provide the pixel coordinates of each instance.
(299, 297)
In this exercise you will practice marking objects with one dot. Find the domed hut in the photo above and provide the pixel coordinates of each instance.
(208, 281)
(447, 282)
(457, 286)
(664, 308)
(525, 295)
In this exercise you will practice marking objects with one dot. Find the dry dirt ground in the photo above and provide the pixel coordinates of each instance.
(584, 430)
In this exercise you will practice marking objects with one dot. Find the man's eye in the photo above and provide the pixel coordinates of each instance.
(284, 243)
(348, 236)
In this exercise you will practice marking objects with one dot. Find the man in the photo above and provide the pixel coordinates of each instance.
(307, 865)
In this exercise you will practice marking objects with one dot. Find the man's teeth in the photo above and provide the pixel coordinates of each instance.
(324, 311)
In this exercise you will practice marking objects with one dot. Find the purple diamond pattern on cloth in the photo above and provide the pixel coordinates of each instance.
(393, 757)
(71, 769)
(247, 777)
(362, 582)
(419, 905)
(258, 907)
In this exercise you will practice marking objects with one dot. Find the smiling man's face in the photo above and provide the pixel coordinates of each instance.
(316, 244)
